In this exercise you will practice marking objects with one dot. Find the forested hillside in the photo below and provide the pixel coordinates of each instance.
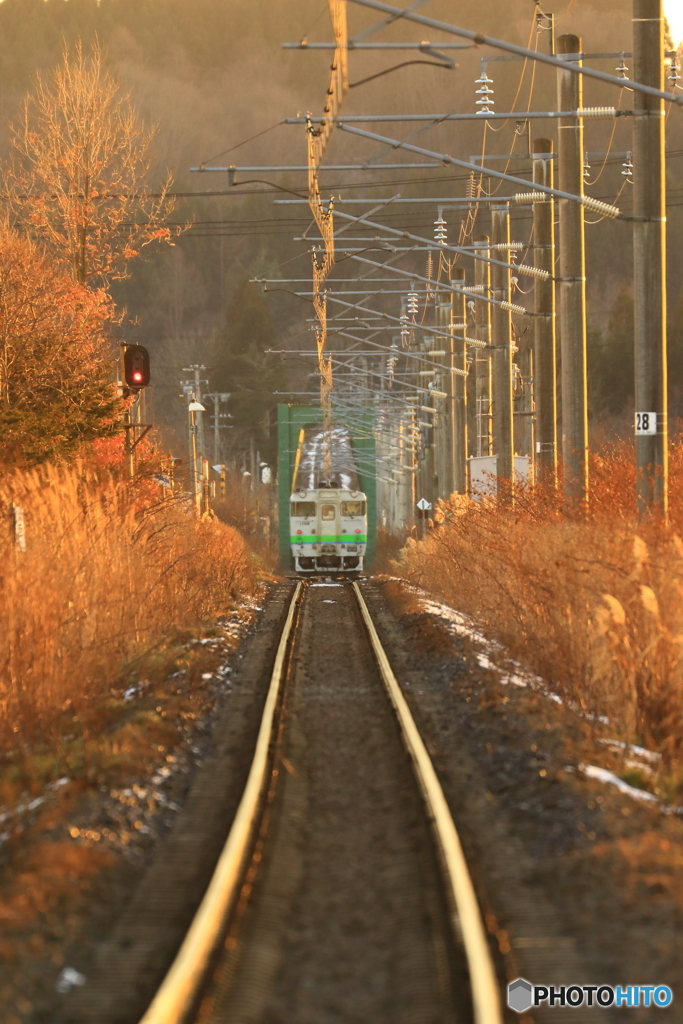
(212, 73)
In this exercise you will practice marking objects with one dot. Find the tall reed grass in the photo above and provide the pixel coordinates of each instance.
(592, 602)
(108, 575)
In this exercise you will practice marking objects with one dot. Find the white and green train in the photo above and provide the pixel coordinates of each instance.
(328, 529)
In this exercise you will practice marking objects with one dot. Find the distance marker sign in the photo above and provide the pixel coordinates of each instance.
(646, 423)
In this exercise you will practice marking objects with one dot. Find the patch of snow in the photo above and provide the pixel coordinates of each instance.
(592, 771)
(646, 755)
(69, 978)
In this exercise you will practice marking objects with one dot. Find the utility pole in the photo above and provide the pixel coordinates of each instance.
(572, 278)
(482, 358)
(501, 331)
(196, 370)
(458, 383)
(445, 435)
(196, 471)
(545, 356)
(649, 261)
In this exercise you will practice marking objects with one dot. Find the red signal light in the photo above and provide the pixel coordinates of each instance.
(136, 367)
(357, 531)
(298, 531)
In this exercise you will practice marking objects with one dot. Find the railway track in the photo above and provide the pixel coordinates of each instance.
(342, 892)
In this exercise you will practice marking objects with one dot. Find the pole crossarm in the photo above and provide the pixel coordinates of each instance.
(475, 342)
(528, 196)
(529, 115)
(499, 44)
(443, 287)
(519, 268)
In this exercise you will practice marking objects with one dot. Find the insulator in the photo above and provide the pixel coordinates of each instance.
(586, 169)
(486, 101)
(529, 197)
(508, 246)
(426, 373)
(474, 289)
(512, 307)
(471, 186)
(621, 68)
(605, 208)
(628, 166)
(542, 275)
(596, 112)
(442, 394)
(673, 75)
(476, 343)
(412, 303)
(440, 235)
(430, 266)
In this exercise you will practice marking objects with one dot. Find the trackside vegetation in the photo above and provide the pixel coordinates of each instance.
(590, 601)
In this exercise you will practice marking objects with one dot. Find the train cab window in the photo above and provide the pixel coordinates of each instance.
(353, 508)
(327, 513)
(303, 508)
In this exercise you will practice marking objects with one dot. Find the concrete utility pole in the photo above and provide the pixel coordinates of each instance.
(572, 279)
(446, 435)
(482, 359)
(501, 337)
(649, 261)
(545, 357)
(458, 383)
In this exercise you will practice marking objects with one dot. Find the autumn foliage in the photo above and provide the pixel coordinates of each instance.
(56, 359)
(78, 178)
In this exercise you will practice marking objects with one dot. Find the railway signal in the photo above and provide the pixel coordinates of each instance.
(136, 367)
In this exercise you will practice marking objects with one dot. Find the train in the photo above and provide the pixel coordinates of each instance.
(328, 529)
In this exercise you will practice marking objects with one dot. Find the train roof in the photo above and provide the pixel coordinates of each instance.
(322, 492)
(342, 471)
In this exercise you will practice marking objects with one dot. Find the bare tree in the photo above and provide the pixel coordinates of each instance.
(78, 179)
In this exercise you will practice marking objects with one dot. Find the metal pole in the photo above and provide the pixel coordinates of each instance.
(572, 282)
(545, 355)
(649, 261)
(482, 359)
(458, 384)
(501, 332)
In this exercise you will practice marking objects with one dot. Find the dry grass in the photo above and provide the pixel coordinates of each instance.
(592, 603)
(110, 575)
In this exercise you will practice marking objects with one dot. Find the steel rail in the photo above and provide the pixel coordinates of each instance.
(179, 988)
(485, 993)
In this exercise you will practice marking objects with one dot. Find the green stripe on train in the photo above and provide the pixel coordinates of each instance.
(348, 538)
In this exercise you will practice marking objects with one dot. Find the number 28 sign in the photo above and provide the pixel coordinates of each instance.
(646, 423)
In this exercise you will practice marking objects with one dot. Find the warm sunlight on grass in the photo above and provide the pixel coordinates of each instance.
(592, 604)
(107, 578)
